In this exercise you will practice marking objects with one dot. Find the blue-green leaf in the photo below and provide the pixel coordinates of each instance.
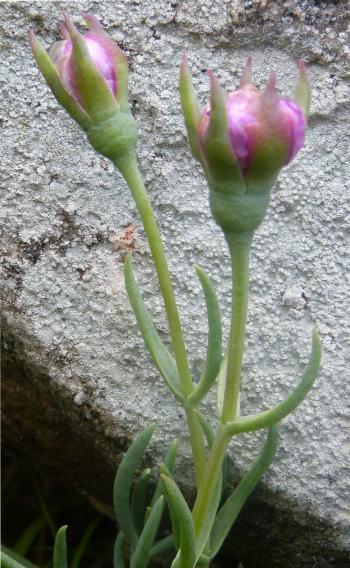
(162, 545)
(160, 354)
(60, 549)
(169, 463)
(118, 552)
(181, 519)
(281, 410)
(138, 500)
(230, 510)
(141, 556)
(214, 347)
(123, 481)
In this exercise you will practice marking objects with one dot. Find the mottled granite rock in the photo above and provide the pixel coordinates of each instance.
(78, 383)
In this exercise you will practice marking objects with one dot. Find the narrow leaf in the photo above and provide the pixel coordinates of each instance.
(83, 544)
(45, 507)
(207, 429)
(118, 552)
(280, 411)
(214, 347)
(138, 500)
(10, 559)
(190, 106)
(141, 556)
(169, 463)
(181, 513)
(122, 484)
(60, 549)
(25, 540)
(230, 510)
(175, 521)
(162, 545)
(161, 357)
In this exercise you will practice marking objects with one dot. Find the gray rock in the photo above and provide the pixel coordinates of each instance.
(78, 383)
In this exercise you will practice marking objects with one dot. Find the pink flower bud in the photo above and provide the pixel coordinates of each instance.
(242, 140)
(256, 119)
(61, 56)
(88, 75)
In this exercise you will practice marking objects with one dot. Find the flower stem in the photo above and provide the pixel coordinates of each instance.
(128, 166)
(239, 246)
(210, 478)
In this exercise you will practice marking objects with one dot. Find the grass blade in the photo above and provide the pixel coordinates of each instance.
(60, 549)
(122, 484)
(138, 500)
(10, 559)
(82, 546)
(141, 556)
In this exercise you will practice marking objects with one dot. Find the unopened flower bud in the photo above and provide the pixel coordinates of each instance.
(88, 75)
(243, 139)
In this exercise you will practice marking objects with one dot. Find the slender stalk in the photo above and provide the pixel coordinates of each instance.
(210, 478)
(239, 245)
(129, 168)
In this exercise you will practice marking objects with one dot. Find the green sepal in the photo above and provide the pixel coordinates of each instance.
(190, 106)
(96, 96)
(302, 93)
(271, 150)
(141, 555)
(118, 551)
(138, 500)
(228, 513)
(182, 522)
(281, 410)
(53, 80)
(122, 484)
(222, 167)
(116, 137)
(60, 549)
(159, 353)
(120, 60)
(214, 347)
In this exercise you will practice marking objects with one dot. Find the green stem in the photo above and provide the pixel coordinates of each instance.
(129, 169)
(210, 478)
(239, 246)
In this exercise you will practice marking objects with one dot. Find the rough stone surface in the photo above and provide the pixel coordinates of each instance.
(78, 375)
